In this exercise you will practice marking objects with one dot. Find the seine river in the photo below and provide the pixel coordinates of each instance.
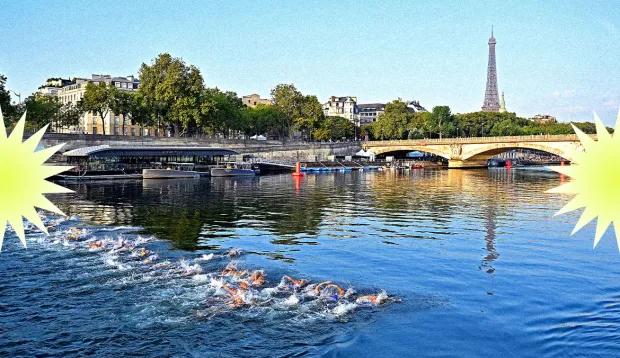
(473, 264)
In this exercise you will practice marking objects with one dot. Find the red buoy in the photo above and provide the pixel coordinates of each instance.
(298, 172)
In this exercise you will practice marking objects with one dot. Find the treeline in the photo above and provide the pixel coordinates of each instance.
(398, 122)
(172, 97)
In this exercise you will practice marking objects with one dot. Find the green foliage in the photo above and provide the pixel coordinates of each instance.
(220, 112)
(264, 119)
(42, 110)
(97, 99)
(334, 128)
(393, 123)
(311, 115)
(172, 91)
(9, 111)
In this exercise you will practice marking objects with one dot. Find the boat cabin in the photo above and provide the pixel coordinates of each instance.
(105, 159)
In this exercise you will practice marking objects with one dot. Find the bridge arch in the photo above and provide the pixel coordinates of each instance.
(409, 148)
(478, 155)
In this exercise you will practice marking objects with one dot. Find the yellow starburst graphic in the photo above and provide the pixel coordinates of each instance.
(595, 180)
(23, 179)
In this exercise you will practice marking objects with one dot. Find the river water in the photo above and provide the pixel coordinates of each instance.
(473, 264)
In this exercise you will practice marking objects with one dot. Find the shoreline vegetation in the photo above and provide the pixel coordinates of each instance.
(172, 97)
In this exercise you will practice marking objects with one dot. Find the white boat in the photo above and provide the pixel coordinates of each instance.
(234, 170)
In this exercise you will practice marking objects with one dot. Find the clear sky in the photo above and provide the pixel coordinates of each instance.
(556, 57)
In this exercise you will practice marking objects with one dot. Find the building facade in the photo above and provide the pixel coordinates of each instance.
(544, 118)
(345, 107)
(72, 91)
(369, 112)
(254, 100)
(363, 113)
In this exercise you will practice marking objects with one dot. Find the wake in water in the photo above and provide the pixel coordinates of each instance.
(218, 278)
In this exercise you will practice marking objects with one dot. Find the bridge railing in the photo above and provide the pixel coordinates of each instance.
(477, 140)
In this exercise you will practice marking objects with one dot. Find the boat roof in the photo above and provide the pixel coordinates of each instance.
(109, 151)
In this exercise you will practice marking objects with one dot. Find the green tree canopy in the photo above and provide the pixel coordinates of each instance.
(172, 91)
(393, 123)
(97, 99)
(334, 128)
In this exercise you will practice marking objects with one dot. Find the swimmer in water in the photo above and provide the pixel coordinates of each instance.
(233, 253)
(236, 296)
(256, 279)
(231, 270)
(326, 285)
(75, 234)
(296, 283)
(143, 252)
(95, 245)
(374, 300)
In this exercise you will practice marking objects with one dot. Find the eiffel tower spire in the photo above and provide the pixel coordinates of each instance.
(491, 97)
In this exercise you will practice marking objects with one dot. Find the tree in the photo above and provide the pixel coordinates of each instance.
(68, 116)
(289, 101)
(172, 91)
(42, 110)
(442, 121)
(220, 111)
(264, 119)
(310, 116)
(139, 113)
(8, 110)
(97, 99)
(393, 123)
(334, 128)
(120, 103)
(420, 125)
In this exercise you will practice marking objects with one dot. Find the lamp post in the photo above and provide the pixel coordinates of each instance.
(19, 97)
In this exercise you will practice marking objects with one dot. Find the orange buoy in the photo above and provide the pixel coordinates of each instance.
(297, 171)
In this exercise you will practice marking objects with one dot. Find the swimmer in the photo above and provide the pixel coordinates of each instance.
(374, 300)
(296, 283)
(74, 234)
(95, 245)
(143, 252)
(323, 286)
(236, 296)
(150, 259)
(256, 279)
(233, 253)
(231, 270)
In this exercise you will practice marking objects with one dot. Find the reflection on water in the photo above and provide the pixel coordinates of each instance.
(476, 257)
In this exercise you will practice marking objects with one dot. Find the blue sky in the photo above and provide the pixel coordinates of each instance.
(560, 58)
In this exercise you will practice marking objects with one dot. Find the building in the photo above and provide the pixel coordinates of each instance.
(52, 86)
(544, 118)
(491, 98)
(345, 107)
(72, 91)
(415, 107)
(254, 100)
(367, 113)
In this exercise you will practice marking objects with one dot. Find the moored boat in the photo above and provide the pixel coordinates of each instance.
(234, 170)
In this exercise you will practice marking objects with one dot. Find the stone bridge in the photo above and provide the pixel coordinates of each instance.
(474, 152)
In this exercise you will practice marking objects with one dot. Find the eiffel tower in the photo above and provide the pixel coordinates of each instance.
(491, 97)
